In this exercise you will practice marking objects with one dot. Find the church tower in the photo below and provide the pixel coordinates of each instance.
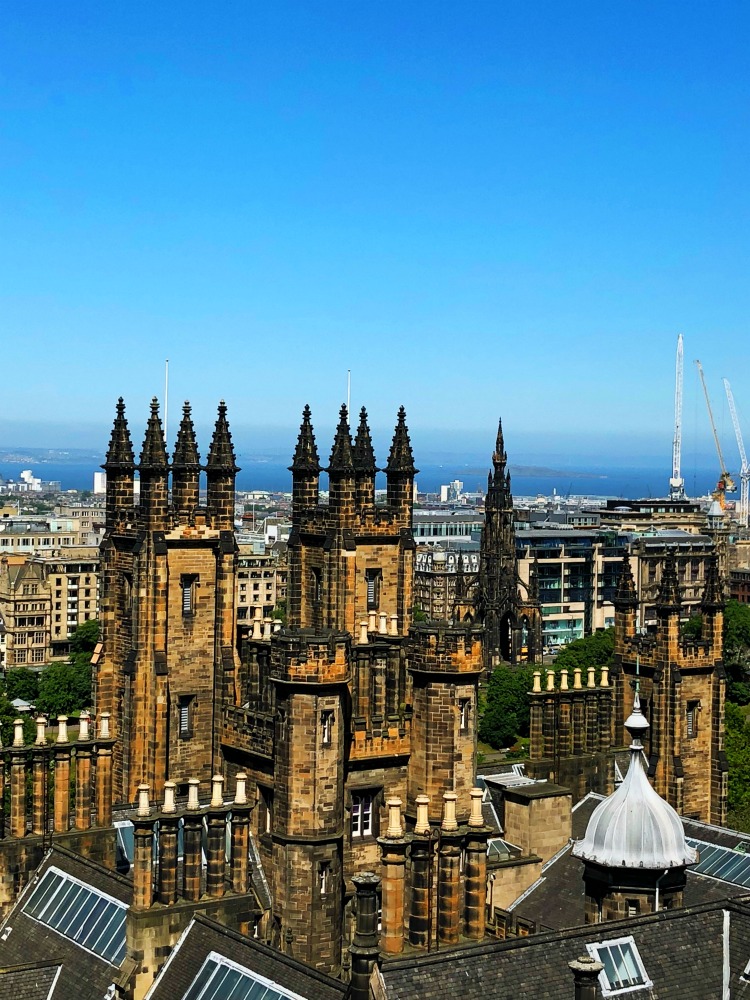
(513, 624)
(682, 685)
(167, 605)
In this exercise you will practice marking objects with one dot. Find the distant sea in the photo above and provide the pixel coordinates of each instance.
(273, 475)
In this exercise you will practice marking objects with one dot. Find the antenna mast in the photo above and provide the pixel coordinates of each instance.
(677, 483)
(166, 400)
(745, 468)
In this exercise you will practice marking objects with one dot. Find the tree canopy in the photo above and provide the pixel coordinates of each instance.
(506, 709)
(593, 650)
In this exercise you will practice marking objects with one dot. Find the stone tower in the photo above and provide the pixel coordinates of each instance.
(348, 705)
(513, 624)
(682, 685)
(167, 604)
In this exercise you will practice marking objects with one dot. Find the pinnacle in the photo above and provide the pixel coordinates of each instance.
(713, 592)
(401, 457)
(342, 459)
(306, 453)
(362, 453)
(626, 596)
(154, 452)
(499, 458)
(120, 451)
(669, 589)
(186, 449)
(221, 452)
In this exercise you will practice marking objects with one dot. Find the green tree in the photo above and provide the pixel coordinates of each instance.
(84, 639)
(506, 706)
(64, 688)
(737, 746)
(20, 682)
(8, 715)
(592, 651)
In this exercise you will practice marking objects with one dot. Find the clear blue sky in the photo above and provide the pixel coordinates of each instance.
(480, 208)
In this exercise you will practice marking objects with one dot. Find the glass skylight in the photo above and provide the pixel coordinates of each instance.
(87, 917)
(220, 979)
(721, 862)
(623, 969)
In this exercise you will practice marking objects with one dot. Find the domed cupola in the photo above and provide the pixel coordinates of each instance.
(634, 849)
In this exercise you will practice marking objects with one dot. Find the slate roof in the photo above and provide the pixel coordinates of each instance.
(36, 981)
(681, 951)
(556, 899)
(83, 976)
(204, 936)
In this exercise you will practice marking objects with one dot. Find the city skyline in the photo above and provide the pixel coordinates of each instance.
(483, 211)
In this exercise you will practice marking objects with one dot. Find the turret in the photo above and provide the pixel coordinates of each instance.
(341, 469)
(498, 481)
(119, 466)
(364, 463)
(154, 472)
(400, 470)
(712, 607)
(626, 604)
(221, 470)
(186, 468)
(305, 467)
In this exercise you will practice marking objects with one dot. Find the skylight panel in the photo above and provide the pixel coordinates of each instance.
(220, 979)
(89, 918)
(721, 862)
(623, 971)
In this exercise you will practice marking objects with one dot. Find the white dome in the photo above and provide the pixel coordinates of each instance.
(634, 827)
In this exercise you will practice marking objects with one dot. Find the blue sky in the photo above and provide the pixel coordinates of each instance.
(480, 208)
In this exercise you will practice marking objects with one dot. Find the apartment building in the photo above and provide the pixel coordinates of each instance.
(260, 582)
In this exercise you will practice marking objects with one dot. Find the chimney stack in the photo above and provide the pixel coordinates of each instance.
(393, 850)
(585, 975)
(240, 863)
(364, 949)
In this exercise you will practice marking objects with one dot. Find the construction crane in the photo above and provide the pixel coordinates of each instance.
(745, 468)
(726, 483)
(677, 483)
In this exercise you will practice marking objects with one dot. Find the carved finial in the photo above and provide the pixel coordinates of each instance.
(306, 457)
(362, 453)
(401, 457)
(154, 451)
(186, 448)
(120, 451)
(342, 459)
(221, 452)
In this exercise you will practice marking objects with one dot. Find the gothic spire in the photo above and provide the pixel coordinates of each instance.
(342, 459)
(626, 596)
(186, 449)
(221, 452)
(669, 589)
(401, 457)
(120, 451)
(306, 453)
(499, 457)
(713, 592)
(362, 453)
(154, 452)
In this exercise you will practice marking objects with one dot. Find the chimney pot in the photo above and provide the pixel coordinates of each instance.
(62, 729)
(394, 625)
(537, 681)
(169, 804)
(104, 726)
(449, 823)
(18, 733)
(83, 726)
(563, 680)
(604, 682)
(372, 621)
(591, 682)
(422, 826)
(217, 792)
(363, 634)
(41, 736)
(193, 802)
(550, 680)
(240, 793)
(144, 808)
(383, 627)
(476, 818)
(577, 679)
(394, 819)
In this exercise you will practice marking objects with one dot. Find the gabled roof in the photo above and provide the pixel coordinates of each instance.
(681, 951)
(34, 981)
(204, 937)
(83, 975)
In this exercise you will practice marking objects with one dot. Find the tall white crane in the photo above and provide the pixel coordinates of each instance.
(726, 483)
(677, 483)
(745, 468)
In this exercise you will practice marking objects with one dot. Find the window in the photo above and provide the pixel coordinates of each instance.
(317, 585)
(187, 585)
(37, 656)
(185, 709)
(623, 969)
(362, 814)
(324, 874)
(326, 726)
(266, 809)
(693, 707)
(91, 919)
(464, 707)
(219, 978)
(372, 579)
(38, 637)
(20, 656)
